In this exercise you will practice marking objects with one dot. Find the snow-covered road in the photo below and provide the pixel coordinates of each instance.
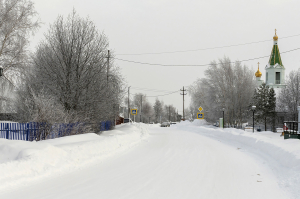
(171, 163)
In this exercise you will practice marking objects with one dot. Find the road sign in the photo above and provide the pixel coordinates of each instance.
(200, 115)
(200, 108)
(133, 111)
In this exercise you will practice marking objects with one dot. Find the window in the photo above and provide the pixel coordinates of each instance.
(267, 77)
(277, 77)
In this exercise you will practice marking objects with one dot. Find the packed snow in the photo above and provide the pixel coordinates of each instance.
(22, 162)
(186, 160)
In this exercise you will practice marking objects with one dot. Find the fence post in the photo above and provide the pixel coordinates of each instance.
(27, 131)
(7, 130)
(34, 132)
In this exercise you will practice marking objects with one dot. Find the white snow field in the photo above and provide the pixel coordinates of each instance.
(187, 160)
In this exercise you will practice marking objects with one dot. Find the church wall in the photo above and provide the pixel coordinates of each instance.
(272, 75)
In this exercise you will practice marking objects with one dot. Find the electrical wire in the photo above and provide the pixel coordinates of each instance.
(164, 94)
(160, 95)
(148, 89)
(202, 49)
(152, 64)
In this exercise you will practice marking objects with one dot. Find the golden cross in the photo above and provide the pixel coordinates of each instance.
(275, 31)
(258, 64)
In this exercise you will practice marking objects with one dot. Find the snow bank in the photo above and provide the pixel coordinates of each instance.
(22, 161)
(281, 156)
(199, 122)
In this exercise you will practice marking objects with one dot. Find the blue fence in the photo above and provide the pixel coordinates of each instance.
(104, 126)
(42, 131)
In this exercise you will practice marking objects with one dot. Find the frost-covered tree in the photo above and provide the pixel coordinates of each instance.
(147, 111)
(265, 101)
(71, 66)
(158, 110)
(169, 113)
(17, 22)
(289, 97)
(138, 100)
(226, 85)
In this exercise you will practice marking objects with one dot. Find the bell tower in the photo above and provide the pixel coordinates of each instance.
(275, 71)
(258, 75)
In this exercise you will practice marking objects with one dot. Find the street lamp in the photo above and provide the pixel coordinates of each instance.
(223, 117)
(253, 109)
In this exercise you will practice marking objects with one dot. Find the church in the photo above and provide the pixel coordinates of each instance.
(275, 71)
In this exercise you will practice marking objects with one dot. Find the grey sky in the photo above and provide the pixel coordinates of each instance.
(172, 25)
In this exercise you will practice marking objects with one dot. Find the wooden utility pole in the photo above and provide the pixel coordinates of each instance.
(108, 56)
(128, 103)
(183, 94)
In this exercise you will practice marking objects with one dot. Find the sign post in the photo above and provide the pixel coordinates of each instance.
(200, 115)
(134, 113)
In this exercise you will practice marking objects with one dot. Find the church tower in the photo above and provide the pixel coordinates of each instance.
(258, 75)
(275, 71)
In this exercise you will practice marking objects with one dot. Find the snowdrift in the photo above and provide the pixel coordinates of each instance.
(281, 156)
(22, 161)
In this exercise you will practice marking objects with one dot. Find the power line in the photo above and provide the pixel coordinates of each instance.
(164, 94)
(160, 95)
(148, 89)
(152, 64)
(202, 49)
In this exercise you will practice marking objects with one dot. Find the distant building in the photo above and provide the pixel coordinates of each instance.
(275, 71)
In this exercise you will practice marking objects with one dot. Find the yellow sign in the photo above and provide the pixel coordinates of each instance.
(133, 111)
(200, 108)
(200, 115)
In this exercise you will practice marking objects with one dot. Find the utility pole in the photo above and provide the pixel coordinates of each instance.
(108, 56)
(183, 94)
(141, 108)
(128, 103)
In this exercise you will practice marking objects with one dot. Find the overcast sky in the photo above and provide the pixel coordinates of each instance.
(135, 27)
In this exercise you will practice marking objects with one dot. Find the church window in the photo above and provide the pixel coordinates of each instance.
(277, 77)
(267, 77)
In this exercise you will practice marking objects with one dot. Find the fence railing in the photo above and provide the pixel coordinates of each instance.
(42, 131)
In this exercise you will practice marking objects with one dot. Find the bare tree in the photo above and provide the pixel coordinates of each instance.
(71, 66)
(138, 100)
(158, 110)
(17, 22)
(147, 111)
(226, 85)
(289, 97)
